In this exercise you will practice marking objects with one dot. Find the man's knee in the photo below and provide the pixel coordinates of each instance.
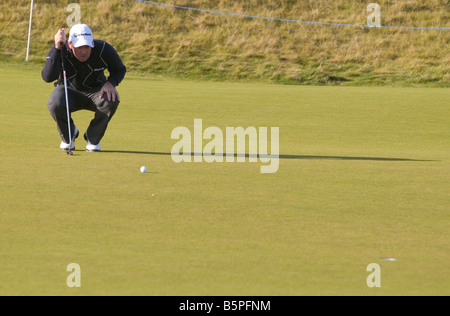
(108, 107)
(57, 101)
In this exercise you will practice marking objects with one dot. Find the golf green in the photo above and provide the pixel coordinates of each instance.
(363, 174)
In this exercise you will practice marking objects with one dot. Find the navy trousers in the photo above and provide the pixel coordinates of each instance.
(104, 111)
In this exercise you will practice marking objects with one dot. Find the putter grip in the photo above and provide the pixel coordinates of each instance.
(63, 51)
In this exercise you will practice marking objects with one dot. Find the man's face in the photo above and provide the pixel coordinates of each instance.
(81, 53)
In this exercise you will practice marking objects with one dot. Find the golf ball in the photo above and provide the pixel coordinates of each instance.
(143, 169)
(389, 259)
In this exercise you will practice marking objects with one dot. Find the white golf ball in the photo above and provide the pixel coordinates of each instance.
(389, 259)
(143, 169)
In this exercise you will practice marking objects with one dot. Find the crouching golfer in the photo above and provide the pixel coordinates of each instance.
(85, 60)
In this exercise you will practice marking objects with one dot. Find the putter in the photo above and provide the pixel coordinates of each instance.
(69, 151)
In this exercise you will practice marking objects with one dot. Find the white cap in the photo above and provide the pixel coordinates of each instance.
(81, 35)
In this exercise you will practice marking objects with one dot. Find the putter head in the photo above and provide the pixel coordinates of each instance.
(69, 153)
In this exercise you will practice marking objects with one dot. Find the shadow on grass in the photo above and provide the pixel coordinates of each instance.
(299, 157)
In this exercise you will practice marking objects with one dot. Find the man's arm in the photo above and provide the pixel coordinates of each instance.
(116, 67)
(52, 69)
(117, 72)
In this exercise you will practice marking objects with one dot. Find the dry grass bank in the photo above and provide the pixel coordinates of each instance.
(194, 44)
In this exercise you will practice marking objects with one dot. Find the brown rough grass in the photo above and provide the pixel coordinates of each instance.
(210, 46)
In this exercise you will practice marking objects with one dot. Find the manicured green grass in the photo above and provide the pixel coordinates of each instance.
(364, 174)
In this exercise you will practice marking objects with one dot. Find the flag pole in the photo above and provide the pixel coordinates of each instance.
(29, 30)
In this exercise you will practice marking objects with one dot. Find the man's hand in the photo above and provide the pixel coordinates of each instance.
(60, 38)
(110, 91)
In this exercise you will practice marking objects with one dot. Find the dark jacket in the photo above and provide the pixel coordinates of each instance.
(88, 75)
